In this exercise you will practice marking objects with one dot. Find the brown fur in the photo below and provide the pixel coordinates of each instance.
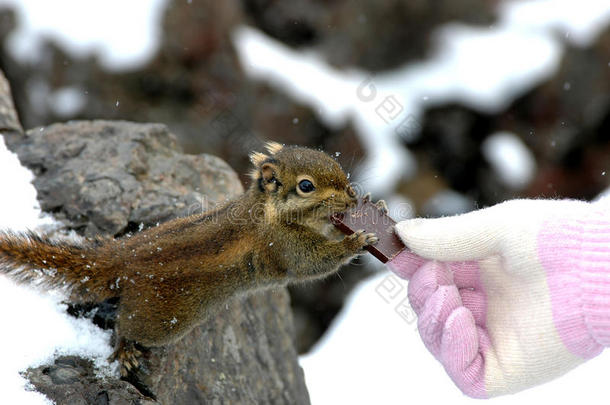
(171, 277)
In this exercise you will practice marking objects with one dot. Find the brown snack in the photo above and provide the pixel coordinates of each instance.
(371, 218)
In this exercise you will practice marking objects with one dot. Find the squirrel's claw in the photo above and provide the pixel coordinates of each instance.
(356, 234)
(371, 239)
(362, 239)
(127, 355)
(382, 206)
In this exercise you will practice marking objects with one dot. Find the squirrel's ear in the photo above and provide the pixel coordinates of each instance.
(273, 147)
(258, 158)
(268, 177)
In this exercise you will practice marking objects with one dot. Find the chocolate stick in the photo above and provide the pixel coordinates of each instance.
(371, 218)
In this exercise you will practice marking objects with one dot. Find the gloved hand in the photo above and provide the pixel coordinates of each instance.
(510, 296)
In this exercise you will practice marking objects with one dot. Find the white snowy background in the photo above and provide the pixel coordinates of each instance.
(372, 352)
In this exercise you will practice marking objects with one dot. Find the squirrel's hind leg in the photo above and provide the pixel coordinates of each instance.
(131, 356)
(127, 354)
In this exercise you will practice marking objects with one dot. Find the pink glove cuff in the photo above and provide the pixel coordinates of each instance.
(595, 265)
(576, 256)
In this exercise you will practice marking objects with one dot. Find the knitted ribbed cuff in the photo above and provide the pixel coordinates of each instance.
(595, 272)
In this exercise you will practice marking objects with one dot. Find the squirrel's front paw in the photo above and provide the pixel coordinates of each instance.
(359, 240)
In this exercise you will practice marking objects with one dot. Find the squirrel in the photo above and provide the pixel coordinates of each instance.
(171, 277)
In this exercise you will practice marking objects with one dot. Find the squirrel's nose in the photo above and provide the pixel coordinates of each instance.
(351, 192)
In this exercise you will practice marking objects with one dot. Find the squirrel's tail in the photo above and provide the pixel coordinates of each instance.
(40, 260)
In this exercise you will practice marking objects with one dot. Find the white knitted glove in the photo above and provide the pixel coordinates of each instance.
(513, 295)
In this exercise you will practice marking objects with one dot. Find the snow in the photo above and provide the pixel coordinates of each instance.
(579, 22)
(337, 97)
(372, 354)
(604, 194)
(485, 68)
(36, 328)
(21, 211)
(125, 34)
(67, 101)
(514, 61)
(522, 49)
(512, 161)
(386, 109)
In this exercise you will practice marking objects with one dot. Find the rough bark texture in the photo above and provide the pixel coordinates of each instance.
(109, 177)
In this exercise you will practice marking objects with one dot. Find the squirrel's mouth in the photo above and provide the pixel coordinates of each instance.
(338, 208)
(333, 206)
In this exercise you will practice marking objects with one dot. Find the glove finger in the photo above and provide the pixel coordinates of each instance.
(435, 312)
(425, 281)
(466, 274)
(471, 236)
(476, 302)
(405, 264)
(464, 346)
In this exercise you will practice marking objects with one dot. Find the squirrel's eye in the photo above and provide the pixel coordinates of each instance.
(306, 186)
